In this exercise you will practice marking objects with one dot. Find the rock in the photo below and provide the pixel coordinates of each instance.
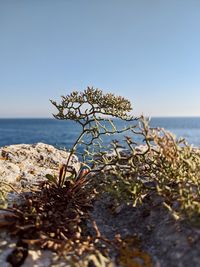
(9, 172)
(38, 258)
(21, 166)
(169, 242)
(27, 164)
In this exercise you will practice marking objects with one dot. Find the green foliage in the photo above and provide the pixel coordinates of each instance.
(161, 163)
(73, 106)
(92, 110)
(56, 215)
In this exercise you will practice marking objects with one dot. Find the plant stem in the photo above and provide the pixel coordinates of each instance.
(61, 182)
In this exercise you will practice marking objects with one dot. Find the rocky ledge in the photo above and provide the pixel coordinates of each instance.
(25, 164)
(170, 243)
(21, 167)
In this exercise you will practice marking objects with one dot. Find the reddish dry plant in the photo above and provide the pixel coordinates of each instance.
(51, 217)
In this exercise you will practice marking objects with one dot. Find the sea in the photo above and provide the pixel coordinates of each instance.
(62, 133)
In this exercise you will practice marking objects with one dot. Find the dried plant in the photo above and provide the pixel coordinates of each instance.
(56, 218)
(55, 215)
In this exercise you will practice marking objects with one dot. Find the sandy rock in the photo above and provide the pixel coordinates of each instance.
(22, 166)
(38, 258)
(9, 171)
(170, 243)
(28, 164)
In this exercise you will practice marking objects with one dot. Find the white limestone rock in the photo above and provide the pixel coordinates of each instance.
(30, 163)
(9, 171)
(21, 166)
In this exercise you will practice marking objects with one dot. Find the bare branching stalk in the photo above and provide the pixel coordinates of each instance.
(93, 111)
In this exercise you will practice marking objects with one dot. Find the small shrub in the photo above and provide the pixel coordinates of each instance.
(92, 110)
(56, 215)
(162, 163)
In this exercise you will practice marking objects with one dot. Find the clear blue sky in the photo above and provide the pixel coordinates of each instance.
(145, 50)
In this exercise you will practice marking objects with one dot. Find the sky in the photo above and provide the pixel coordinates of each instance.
(145, 50)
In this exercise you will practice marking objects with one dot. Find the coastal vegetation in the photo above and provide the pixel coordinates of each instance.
(93, 111)
(162, 164)
(149, 163)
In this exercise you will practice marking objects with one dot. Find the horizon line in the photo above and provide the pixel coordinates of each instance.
(172, 116)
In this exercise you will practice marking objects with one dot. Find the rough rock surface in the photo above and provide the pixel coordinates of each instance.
(26, 164)
(170, 243)
(22, 166)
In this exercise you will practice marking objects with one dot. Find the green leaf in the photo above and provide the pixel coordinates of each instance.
(51, 178)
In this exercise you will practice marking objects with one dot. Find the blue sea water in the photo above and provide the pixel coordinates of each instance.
(63, 133)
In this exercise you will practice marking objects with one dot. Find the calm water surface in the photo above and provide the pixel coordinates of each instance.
(63, 133)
